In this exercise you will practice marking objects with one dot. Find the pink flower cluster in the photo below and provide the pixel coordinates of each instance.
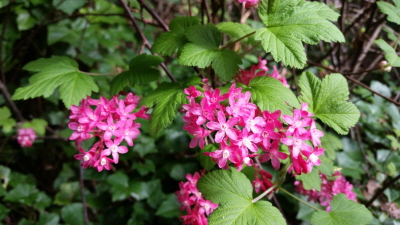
(329, 188)
(193, 202)
(113, 121)
(259, 70)
(26, 136)
(263, 180)
(241, 128)
(249, 3)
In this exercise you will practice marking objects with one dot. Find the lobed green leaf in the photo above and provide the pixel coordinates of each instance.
(54, 72)
(390, 53)
(327, 100)
(343, 212)
(269, 94)
(392, 11)
(291, 22)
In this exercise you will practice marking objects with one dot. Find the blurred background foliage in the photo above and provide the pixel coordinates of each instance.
(42, 184)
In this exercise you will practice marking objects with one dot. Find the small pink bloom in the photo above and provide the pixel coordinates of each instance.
(223, 127)
(114, 149)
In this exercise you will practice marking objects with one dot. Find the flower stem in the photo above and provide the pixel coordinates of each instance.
(263, 194)
(293, 196)
(237, 40)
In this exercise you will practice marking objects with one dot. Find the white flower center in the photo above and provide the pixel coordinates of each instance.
(226, 154)
(103, 162)
(86, 158)
(114, 148)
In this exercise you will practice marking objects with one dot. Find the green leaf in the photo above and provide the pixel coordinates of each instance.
(291, 22)
(205, 161)
(311, 180)
(119, 186)
(3, 212)
(343, 212)
(168, 98)
(226, 64)
(269, 94)
(4, 175)
(73, 214)
(25, 20)
(38, 125)
(141, 71)
(205, 50)
(170, 42)
(392, 11)
(326, 166)
(237, 30)
(328, 100)
(68, 6)
(331, 143)
(66, 193)
(22, 193)
(390, 53)
(54, 72)
(233, 192)
(5, 119)
(169, 208)
(48, 219)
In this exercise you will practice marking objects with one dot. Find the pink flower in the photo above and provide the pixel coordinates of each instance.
(88, 158)
(274, 155)
(130, 131)
(110, 128)
(223, 127)
(297, 124)
(114, 149)
(103, 163)
(297, 144)
(26, 136)
(313, 158)
(192, 92)
(315, 134)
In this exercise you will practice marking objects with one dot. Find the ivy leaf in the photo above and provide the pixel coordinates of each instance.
(343, 212)
(233, 192)
(269, 94)
(205, 50)
(69, 6)
(237, 30)
(54, 72)
(167, 98)
(311, 180)
(392, 11)
(141, 71)
(291, 22)
(170, 42)
(390, 53)
(328, 100)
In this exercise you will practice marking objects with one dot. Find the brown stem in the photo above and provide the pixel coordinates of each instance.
(144, 39)
(7, 96)
(153, 14)
(380, 191)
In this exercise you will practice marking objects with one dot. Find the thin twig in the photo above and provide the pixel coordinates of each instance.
(7, 96)
(144, 39)
(153, 14)
(263, 194)
(82, 186)
(380, 191)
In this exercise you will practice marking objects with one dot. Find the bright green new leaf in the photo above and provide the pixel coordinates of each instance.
(38, 125)
(233, 192)
(392, 11)
(168, 98)
(390, 53)
(205, 50)
(328, 100)
(343, 212)
(291, 22)
(237, 30)
(311, 180)
(54, 72)
(170, 42)
(269, 94)
(141, 71)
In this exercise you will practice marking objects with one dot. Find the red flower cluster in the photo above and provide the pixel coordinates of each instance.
(193, 202)
(112, 121)
(329, 188)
